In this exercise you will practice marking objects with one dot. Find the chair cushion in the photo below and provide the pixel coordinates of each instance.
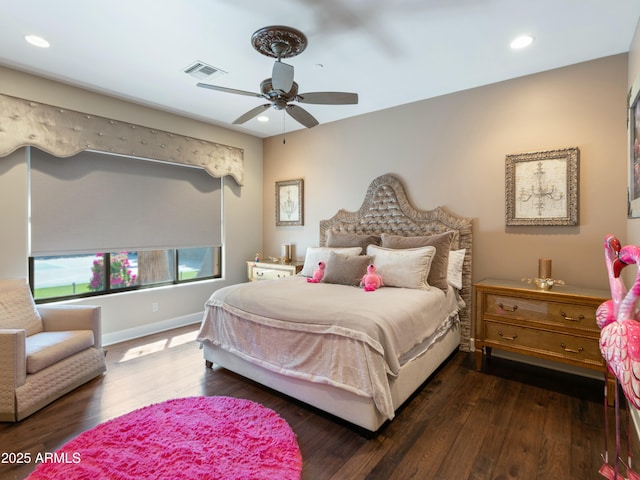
(17, 308)
(46, 348)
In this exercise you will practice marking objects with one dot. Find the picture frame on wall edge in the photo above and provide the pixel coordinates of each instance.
(633, 156)
(290, 203)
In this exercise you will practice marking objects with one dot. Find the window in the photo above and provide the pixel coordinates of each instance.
(103, 223)
(56, 277)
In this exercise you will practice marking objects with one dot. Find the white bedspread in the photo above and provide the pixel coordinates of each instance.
(326, 333)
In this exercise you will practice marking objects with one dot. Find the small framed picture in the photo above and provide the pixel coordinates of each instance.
(542, 188)
(289, 203)
(633, 126)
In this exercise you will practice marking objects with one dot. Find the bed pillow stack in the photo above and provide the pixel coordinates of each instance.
(437, 275)
(406, 268)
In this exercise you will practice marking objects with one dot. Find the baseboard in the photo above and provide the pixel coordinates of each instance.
(149, 329)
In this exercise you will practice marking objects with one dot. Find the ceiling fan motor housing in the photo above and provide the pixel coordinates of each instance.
(266, 87)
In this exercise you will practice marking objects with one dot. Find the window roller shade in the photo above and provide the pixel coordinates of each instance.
(94, 202)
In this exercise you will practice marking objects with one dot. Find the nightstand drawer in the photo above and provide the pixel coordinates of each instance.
(272, 271)
(576, 348)
(269, 273)
(548, 312)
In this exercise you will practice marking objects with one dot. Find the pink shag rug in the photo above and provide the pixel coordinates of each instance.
(186, 438)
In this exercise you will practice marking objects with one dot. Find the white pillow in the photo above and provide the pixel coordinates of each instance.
(407, 268)
(321, 254)
(454, 268)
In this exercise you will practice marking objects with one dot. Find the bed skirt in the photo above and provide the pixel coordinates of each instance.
(356, 409)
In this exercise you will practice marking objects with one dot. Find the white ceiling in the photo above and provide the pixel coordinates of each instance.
(390, 52)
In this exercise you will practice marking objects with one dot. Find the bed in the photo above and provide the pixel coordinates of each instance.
(355, 354)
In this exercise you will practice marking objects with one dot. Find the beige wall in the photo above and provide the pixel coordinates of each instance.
(451, 151)
(130, 314)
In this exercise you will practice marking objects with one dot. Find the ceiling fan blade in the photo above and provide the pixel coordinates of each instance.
(282, 76)
(328, 98)
(251, 113)
(230, 90)
(301, 115)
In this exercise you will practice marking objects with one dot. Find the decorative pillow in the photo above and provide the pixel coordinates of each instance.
(321, 254)
(454, 269)
(442, 244)
(17, 308)
(340, 239)
(346, 269)
(407, 268)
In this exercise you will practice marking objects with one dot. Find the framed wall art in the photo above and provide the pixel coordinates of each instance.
(289, 203)
(541, 188)
(633, 129)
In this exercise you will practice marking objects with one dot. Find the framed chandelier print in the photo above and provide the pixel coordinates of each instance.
(542, 188)
(289, 203)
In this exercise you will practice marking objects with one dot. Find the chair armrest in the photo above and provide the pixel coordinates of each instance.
(73, 317)
(13, 359)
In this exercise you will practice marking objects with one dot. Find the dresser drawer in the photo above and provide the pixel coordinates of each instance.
(548, 312)
(269, 273)
(567, 346)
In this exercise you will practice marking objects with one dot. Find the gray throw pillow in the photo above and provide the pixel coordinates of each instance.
(345, 270)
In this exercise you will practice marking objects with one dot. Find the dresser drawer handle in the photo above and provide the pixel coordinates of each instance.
(507, 338)
(508, 308)
(259, 274)
(571, 350)
(572, 319)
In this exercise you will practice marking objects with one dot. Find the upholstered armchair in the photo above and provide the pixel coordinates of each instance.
(45, 351)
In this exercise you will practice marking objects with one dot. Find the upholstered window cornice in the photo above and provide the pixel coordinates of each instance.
(62, 132)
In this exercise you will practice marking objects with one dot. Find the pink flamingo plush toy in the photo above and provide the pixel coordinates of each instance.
(371, 280)
(318, 273)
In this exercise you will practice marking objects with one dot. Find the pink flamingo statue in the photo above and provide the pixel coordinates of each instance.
(620, 341)
(620, 338)
(607, 313)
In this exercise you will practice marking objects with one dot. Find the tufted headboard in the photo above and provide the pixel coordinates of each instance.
(386, 209)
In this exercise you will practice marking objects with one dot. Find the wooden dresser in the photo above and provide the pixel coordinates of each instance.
(270, 271)
(557, 324)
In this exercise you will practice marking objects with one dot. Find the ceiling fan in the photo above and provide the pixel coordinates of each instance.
(280, 90)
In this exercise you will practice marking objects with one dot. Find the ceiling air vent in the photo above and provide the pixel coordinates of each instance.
(201, 70)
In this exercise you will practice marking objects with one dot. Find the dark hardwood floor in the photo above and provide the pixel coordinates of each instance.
(510, 421)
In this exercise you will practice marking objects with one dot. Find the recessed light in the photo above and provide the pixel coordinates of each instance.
(263, 118)
(37, 41)
(522, 41)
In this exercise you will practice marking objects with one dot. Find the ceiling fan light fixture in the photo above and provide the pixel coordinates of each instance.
(263, 118)
(521, 41)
